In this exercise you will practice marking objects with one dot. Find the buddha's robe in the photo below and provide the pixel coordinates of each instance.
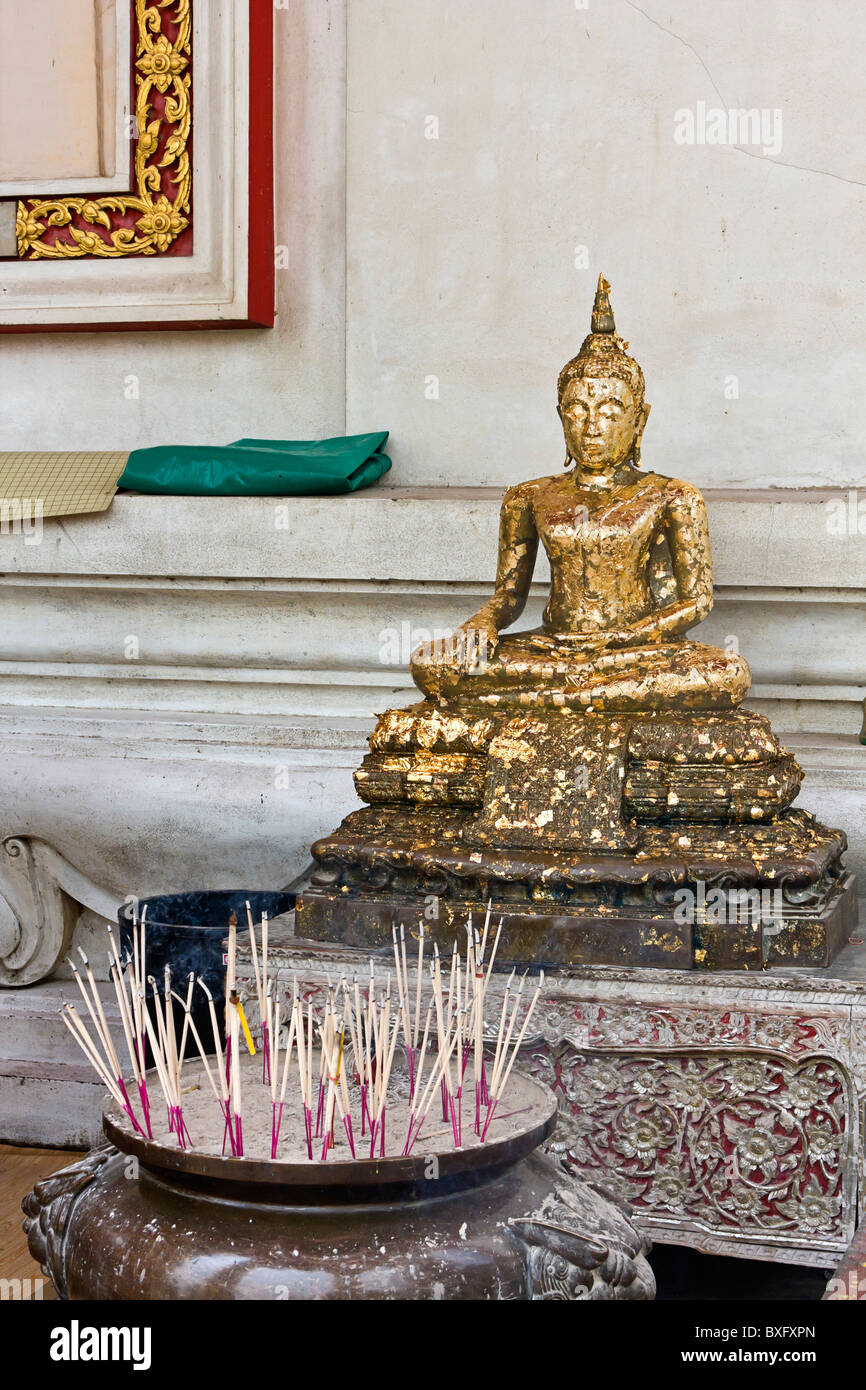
(637, 562)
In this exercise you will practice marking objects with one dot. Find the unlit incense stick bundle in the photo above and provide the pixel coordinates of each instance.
(222, 1072)
(499, 1079)
(358, 1037)
(292, 1024)
(109, 1060)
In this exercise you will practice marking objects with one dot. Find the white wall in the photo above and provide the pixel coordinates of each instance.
(66, 391)
(556, 130)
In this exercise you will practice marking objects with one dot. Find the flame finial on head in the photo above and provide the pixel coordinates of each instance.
(602, 313)
(603, 351)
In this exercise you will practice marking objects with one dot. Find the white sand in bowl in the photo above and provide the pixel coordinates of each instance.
(522, 1106)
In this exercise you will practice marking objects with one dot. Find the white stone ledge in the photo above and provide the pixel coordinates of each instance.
(240, 584)
(448, 534)
(161, 727)
(117, 733)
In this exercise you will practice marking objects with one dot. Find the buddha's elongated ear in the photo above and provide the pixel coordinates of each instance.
(568, 459)
(638, 434)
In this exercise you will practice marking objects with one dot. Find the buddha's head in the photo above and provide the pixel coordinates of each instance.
(601, 396)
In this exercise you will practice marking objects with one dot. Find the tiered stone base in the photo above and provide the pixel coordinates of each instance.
(600, 838)
(692, 896)
(715, 767)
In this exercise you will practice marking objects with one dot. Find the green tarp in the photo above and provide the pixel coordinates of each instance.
(259, 467)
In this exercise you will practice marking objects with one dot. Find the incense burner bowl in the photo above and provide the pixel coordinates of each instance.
(139, 1220)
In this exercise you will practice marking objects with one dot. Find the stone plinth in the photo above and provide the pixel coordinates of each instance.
(654, 838)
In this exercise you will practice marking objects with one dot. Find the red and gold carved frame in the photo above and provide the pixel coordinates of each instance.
(155, 218)
(150, 219)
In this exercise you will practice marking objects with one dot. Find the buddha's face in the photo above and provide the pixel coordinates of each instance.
(600, 420)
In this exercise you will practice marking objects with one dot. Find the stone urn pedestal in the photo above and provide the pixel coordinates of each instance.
(140, 1220)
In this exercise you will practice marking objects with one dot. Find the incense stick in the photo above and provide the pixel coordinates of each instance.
(359, 1037)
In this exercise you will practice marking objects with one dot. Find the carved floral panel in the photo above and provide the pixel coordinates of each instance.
(738, 1144)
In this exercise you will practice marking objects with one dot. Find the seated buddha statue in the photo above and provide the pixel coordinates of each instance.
(630, 569)
(578, 777)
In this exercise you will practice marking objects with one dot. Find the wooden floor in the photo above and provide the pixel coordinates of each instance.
(19, 1170)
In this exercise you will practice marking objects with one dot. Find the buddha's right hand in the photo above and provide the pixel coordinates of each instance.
(438, 666)
(474, 643)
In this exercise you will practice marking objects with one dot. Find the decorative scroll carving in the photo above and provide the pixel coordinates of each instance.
(146, 221)
(736, 1144)
(640, 1024)
(41, 895)
(48, 1208)
(580, 1244)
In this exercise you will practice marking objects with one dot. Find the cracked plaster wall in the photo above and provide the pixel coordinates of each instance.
(556, 131)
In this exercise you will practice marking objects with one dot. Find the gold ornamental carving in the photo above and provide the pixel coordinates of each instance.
(161, 65)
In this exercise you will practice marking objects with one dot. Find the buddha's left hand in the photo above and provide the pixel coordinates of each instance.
(664, 625)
